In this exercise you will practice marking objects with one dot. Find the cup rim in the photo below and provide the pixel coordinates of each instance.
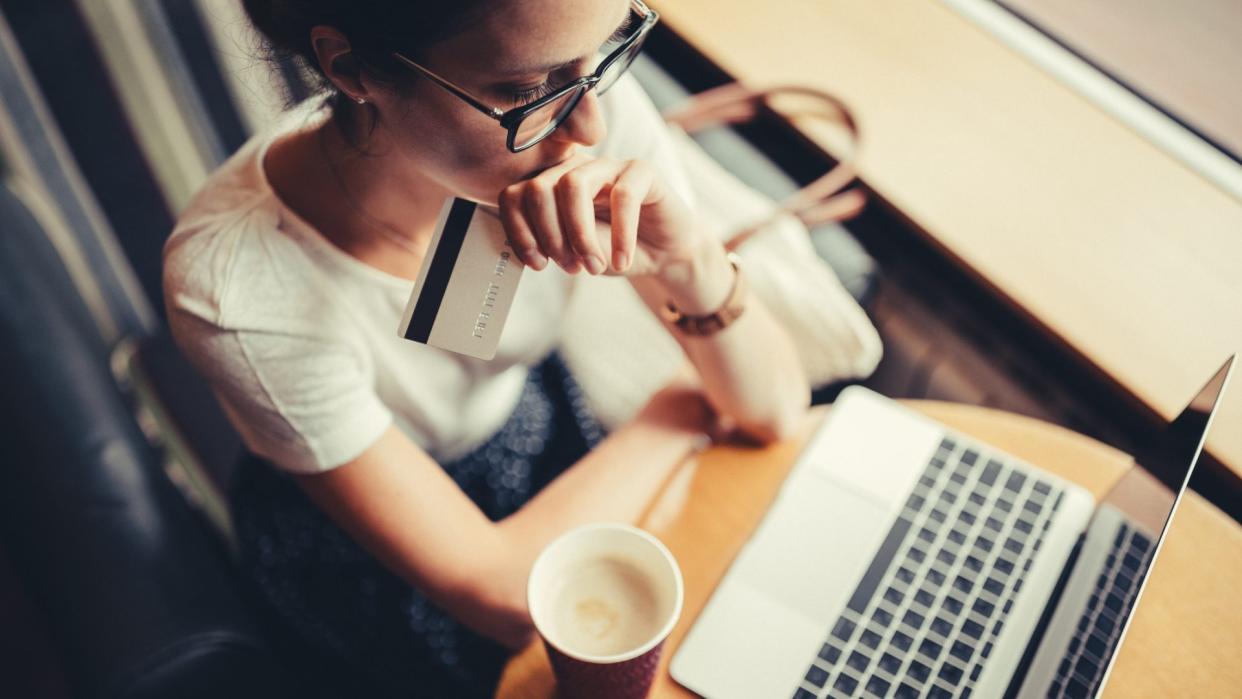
(656, 639)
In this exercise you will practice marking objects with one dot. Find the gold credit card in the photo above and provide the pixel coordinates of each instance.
(466, 283)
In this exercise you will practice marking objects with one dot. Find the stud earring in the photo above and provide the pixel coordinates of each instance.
(360, 100)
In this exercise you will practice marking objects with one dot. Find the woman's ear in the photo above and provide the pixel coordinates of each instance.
(338, 62)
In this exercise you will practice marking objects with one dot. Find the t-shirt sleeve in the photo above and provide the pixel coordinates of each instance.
(302, 401)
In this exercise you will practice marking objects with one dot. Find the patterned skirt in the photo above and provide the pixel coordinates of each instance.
(341, 601)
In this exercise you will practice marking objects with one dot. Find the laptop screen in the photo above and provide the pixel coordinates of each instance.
(1147, 502)
(1176, 450)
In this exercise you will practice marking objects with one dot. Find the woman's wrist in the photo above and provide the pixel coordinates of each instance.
(699, 281)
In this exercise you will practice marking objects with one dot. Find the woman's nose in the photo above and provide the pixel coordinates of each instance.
(585, 124)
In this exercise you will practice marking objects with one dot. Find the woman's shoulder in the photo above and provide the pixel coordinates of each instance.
(227, 255)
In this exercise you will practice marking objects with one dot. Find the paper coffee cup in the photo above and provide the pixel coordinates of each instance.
(604, 597)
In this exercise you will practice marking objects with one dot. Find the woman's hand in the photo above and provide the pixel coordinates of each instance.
(556, 215)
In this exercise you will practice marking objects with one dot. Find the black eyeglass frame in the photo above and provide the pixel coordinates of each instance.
(511, 119)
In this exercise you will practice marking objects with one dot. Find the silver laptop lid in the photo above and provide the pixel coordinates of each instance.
(1150, 501)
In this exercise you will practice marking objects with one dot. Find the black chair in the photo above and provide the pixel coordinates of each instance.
(139, 592)
(140, 600)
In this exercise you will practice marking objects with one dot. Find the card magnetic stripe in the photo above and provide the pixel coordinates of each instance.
(442, 262)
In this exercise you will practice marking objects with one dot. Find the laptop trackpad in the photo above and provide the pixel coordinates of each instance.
(810, 553)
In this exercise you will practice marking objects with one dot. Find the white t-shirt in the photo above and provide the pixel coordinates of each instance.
(298, 339)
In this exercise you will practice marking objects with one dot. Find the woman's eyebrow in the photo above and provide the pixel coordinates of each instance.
(553, 67)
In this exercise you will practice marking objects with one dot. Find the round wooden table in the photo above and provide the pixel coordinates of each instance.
(1187, 632)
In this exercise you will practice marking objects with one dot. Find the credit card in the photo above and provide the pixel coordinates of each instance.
(466, 284)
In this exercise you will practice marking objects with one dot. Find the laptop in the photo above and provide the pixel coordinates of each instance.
(903, 559)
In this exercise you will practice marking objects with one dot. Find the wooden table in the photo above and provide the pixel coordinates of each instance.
(1104, 241)
(1187, 633)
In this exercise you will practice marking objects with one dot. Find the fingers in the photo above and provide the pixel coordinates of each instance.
(552, 216)
(626, 200)
(539, 209)
(529, 234)
(575, 201)
(521, 237)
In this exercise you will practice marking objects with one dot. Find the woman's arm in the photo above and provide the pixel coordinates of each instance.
(402, 507)
(750, 370)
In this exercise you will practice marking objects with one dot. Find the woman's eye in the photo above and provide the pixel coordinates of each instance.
(528, 95)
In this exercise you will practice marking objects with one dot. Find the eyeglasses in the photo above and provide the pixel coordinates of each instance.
(531, 123)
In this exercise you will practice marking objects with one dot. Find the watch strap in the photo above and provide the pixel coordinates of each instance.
(723, 317)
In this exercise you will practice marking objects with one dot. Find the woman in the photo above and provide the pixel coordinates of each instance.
(398, 494)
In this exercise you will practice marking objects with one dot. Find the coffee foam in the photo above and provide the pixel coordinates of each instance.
(604, 606)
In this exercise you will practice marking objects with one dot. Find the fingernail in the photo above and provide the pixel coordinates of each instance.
(595, 265)
(620, 260)
(537, 260)
(570, 264)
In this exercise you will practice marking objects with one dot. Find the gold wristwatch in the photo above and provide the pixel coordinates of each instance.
(723, 317)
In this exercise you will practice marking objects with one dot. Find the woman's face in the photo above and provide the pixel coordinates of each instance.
(501, 55)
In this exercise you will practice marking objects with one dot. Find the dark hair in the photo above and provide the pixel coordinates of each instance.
(374, 28)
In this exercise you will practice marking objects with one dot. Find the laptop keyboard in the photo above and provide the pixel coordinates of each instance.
(1099, 627)
(926, 613)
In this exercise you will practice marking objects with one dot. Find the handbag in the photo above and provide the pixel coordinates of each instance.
(623, 356)
(829, 197)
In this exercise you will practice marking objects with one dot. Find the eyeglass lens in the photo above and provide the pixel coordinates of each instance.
(618, 68)
(543, 121)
